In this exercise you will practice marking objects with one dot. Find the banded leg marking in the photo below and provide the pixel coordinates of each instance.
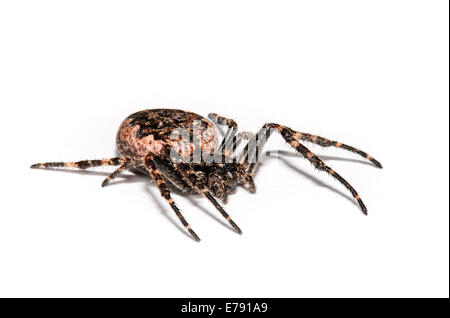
(324, 142)
(116, 173)
(84, 164)
(192, 180)
(165, 193)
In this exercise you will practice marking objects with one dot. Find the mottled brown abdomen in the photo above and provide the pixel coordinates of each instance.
(150, 131)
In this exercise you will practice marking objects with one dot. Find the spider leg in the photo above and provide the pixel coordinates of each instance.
(191, 178)
(116, 173)
(171, 175)
(247, 178)
(324, 142)
(229, 142)
(289, 136)
(165, 193)
(243, 135)
(222, 120)
(84, 164)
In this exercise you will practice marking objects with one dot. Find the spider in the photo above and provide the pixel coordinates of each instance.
(180, 149)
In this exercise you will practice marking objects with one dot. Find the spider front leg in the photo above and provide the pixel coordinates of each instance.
(171, 176)
(289, 136)
(190, 177)
(165, 193)
(324, 142)
(243, 135)
(228, 144)
(230, 123)
(261, 137)
(248, 179)
(230, 140)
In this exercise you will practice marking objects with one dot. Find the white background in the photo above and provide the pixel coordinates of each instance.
(373, 74)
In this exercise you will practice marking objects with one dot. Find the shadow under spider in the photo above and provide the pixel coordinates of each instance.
(323, 157)
(126, 178)
(188, 196)
(140, 176)
(309, 176)
(165, 212)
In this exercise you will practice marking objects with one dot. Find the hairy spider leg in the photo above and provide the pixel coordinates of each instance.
(222, 120)
(250, 154)
(84, 164)
(243, 135)
(171, 175)
(228, 144)
(191, 178)
(230, 150)
(116, 173)
(247, 178)
(165, 193)
(231, 140)
(324, 142)
(289, 137)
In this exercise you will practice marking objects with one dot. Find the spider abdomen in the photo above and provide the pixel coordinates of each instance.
(150, 131)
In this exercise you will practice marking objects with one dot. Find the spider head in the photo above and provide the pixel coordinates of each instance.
(222, 180)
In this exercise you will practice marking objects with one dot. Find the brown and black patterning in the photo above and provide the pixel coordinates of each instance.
(163, 143)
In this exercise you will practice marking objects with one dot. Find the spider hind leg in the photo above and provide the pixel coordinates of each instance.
(83, 164)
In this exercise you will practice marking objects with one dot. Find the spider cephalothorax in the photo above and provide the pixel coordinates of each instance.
(180, 149)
